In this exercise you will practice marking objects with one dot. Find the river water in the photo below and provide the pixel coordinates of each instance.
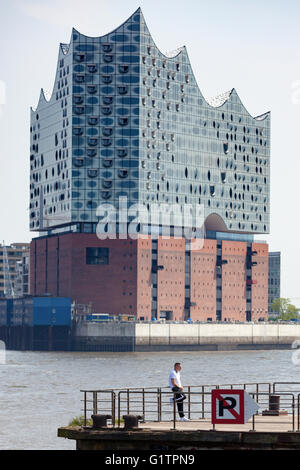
(40, 391)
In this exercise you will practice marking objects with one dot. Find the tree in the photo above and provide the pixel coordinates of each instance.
(284, 308)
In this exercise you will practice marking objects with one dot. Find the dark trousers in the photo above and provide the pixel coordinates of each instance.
(179, 397)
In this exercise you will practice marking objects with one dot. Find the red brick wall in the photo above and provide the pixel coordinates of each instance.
(170, 280)
(144, 285)
(203, 281)
(40, 282)
(32, 277)
(234, 281)
(110, 288)
(53, 274)
(260, 274)
(125, 284)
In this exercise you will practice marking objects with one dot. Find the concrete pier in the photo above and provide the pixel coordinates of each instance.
(194, 435)
(170, 336)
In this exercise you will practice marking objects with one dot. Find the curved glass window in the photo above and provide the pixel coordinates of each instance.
(92, 141)
(123, 121)
(122, 173)
(107, 184)
(79, 109)
(106, 142)
(91, 152)
(123, 68)
(93, 120)
(91, 204)
(107, 79)
(92, 68)
(122, 90)
(121, 153)
(92, 173)
(77, 131)
(78, 99)
(108, 58)
(107, 163)
(92, 89)
(106, 110)
(107, 99)
(106, 47)
(79, 57)
(78, 161)
(107, 131)
(79, 78)
(105, 194)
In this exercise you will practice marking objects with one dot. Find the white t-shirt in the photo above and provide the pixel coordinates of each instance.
(174, 375)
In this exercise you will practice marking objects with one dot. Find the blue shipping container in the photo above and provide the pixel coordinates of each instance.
(6, 307)
(51, 311)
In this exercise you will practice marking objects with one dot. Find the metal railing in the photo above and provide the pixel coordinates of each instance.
(154, 404)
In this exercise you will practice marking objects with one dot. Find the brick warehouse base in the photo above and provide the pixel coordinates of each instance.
(224, 280)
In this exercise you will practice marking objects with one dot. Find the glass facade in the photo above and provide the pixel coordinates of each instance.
(126, 120)
(274, 277)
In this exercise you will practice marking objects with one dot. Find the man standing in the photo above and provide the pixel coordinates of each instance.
(176, 387)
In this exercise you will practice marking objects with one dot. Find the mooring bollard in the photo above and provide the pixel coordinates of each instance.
(131, 421)
(274, 407)
(100, 421)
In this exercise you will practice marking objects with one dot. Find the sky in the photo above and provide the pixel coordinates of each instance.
(252, 46)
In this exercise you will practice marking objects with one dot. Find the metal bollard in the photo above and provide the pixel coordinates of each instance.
(131, 422)
(99, 421)
(274, 407)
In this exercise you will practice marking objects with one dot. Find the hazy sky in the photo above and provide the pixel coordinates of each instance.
(253, 46)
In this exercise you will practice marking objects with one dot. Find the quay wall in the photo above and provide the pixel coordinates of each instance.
(171, 336)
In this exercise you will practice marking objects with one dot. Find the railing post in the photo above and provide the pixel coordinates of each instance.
(158, 404)
(95, 410)
(174, 412)
(253, 416)
(84, 408)
(203, 404)
(298, 413)
(143, 398)
(119, 409)
(293, 405)
(113, 408)
(189, 402)
(128, 406)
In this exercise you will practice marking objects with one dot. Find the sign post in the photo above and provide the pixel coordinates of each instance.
(232, 406)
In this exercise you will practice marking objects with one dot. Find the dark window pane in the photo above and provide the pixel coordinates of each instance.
(97, 255)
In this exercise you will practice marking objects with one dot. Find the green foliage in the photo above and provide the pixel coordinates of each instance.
(286, 310)
(79, 421)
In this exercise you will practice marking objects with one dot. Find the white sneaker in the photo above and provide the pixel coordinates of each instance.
(184, 419)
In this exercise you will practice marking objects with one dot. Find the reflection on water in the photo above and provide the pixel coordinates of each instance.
(40, 391)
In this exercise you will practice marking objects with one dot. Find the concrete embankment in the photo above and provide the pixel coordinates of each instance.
(89, 336)
(174, 440)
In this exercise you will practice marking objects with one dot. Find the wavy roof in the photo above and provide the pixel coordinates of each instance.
(215, 102)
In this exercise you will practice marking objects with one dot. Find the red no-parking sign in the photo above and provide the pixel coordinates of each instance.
(231, 406)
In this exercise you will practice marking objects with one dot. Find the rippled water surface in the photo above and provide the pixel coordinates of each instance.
(40, 391)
